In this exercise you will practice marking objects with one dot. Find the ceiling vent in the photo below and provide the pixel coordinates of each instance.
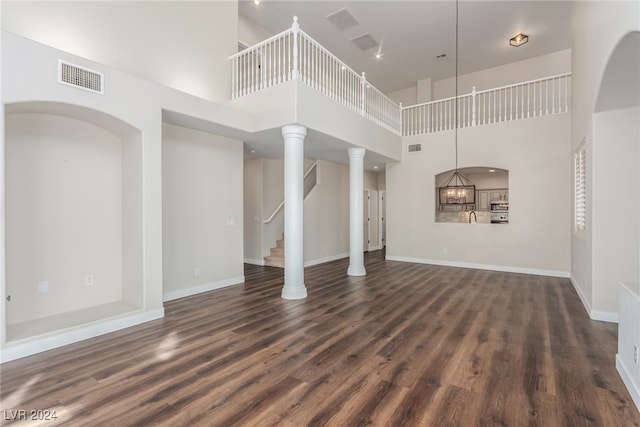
(80, 77)
(365, 41)
(414, 147)
(342, 19)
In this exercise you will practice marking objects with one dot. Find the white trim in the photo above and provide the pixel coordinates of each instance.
(582, 296)
(627, 379)
(33, 345)
(326, 259)
(254, 261)
(505, 268)
(602, 316)
(169, 296)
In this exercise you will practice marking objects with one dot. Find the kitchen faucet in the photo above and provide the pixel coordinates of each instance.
(475, 218)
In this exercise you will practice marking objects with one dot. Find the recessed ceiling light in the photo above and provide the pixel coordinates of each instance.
(252, 151)
(378, 55)
(375, 167)
(492, 170)
(518, 40)
(256, 2)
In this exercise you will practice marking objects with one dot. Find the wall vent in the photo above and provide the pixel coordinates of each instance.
(80, 77)
(414, 147)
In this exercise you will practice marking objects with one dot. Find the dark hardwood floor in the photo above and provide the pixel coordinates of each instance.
(406, 345)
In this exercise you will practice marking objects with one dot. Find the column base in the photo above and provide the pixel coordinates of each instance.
(356, 270)
(297, 292)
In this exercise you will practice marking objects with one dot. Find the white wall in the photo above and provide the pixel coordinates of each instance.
(252, 208)
(272, 196)
(202, 218)
(597, 28)
(250, 33)
(382, 181)
(405, 96)
(183, 45)
(615, 211)
(64, 215)
(515, 72)
(132, 109)
(487, 181)
(326, 215)
(536, 240)
(326, 210)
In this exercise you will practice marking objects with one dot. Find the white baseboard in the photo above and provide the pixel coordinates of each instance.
(627, 379)
(505, 268)
(326, 259)
(254, 261)
(29, 346)
(603, 316)
(181, 293)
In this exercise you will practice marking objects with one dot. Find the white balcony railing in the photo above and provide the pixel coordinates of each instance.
(293, 54)
(541, 97)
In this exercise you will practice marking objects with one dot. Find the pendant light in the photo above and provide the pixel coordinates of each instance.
(457, 189)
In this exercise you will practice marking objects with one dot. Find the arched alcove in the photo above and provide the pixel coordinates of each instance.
(491, 201)
(73, 219)
(615, 195)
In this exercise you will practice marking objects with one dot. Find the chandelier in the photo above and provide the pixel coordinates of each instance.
(457, 189)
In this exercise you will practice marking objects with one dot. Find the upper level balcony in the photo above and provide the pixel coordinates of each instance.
(293, 55)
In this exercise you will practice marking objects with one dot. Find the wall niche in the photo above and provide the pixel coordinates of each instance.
(73, 218)
(491, 202)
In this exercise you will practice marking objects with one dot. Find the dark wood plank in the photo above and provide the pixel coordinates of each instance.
(407, 344)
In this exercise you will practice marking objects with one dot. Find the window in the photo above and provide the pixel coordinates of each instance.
(580, 188)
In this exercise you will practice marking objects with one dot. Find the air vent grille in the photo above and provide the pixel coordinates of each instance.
(342, 19)
(415, 147)
(80, 77)
(365, 41)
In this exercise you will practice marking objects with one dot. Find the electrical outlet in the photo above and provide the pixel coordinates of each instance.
(43, 287)
(635, 354)
(88, 280)
(196, 272)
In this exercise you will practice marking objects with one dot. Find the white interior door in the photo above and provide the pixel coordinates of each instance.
(374, 238)
(382, 213)
(365, 220)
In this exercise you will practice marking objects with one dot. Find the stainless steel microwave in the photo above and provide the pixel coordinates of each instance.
(499, 206)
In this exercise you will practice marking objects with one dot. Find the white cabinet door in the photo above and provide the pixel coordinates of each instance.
(483, 200)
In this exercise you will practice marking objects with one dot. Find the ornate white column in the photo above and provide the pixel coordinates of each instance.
(294, 287)
(356, 212)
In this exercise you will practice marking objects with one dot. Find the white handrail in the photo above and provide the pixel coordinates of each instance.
(261, 44)
(281, 205)
(293, 54)
(533, 98)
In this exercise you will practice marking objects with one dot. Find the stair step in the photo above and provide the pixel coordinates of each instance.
(280, 243)
(274, 261)
(277, 252)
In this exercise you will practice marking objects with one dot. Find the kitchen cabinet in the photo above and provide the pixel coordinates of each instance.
(483, 200)
(499, 194)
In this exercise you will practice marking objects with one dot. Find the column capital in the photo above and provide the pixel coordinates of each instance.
(356, 152)
(293, 130)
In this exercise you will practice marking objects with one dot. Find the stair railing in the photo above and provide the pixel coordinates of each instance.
(534, 98)
(314, 166)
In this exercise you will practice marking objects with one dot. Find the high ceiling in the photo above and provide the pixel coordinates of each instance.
(411, 34)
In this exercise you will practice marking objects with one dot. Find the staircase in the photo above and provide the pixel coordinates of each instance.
(276, 257)
(276, 254)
